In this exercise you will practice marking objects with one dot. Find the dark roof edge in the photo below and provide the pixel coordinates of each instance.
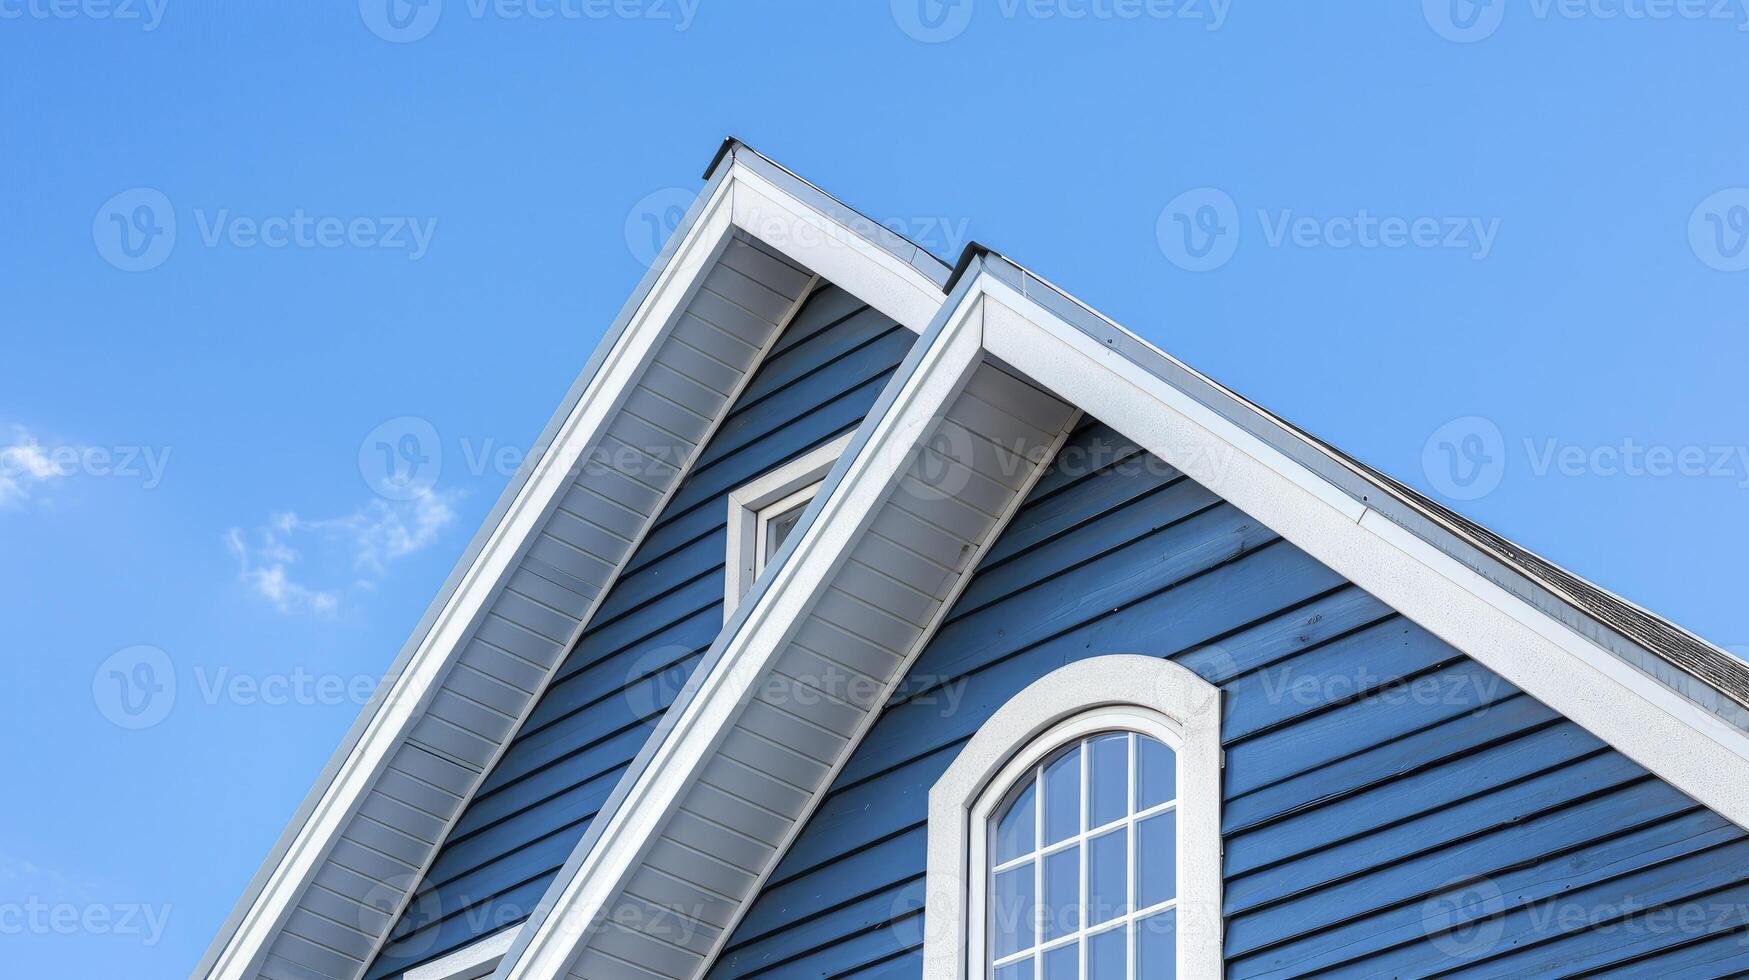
(904, 249)
(1695, 669)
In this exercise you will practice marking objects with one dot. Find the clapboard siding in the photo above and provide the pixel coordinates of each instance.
(1381, 788)
(730, 824)
(821, 377)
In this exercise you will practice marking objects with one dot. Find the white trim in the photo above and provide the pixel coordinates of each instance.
(833, 251)
(746, 503)
(1119, 692)
(923, 638)
(469, 962)
(406, 700)
(1694, 750)
(744, 200)
(716, 703)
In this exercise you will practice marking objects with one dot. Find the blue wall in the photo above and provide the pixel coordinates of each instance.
(820, 379)
(1374, 773)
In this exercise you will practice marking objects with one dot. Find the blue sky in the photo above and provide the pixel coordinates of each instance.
(1496, 251)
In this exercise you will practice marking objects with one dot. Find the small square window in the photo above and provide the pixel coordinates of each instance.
(765, 512)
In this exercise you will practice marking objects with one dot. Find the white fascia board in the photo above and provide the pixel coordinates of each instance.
(832, 251)
(1682, 743)
(408, 696)
(739, 198)
(732, 671)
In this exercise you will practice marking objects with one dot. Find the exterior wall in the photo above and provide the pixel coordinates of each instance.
(820, 379)
(1377, 779)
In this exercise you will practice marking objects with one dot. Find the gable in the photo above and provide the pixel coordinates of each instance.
(1375, 775)
(610, 691)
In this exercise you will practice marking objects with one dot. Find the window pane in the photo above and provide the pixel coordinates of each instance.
(1011, 911)
(1107, 957)
(1156, 773)
(1063, 797)
(1157, 947)
(1016, 971)
(778, 528)
(1016, 830)
(1063, 963)
(1157, 859)
(1108, 862)
(1108, 779)
(1062, 905)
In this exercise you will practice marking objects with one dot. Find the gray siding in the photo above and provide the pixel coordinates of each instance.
(649, 631)
(1380, 786)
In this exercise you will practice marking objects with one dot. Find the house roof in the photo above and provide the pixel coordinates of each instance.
(1698, 670)
(746, 195)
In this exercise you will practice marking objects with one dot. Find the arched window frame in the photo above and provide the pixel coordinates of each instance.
(1111, 693)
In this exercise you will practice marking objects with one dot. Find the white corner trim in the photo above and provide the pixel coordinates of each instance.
(833, 251)
(1677, 740)
(469, 962)
(1118, 692)
(407, 698)
(743, 199)
(578, 903)
(767, 490)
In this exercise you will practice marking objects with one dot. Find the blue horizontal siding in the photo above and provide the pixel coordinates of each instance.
(1375, 775)
(820, 379)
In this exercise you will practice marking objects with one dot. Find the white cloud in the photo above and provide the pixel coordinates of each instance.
(366, 542)
(23, 465)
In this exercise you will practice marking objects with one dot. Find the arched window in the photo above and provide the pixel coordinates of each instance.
(1082, 861)
(1077, 836)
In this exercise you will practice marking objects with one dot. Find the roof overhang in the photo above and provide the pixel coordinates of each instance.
(1008, 354)
(999, 316)
(526, 587)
